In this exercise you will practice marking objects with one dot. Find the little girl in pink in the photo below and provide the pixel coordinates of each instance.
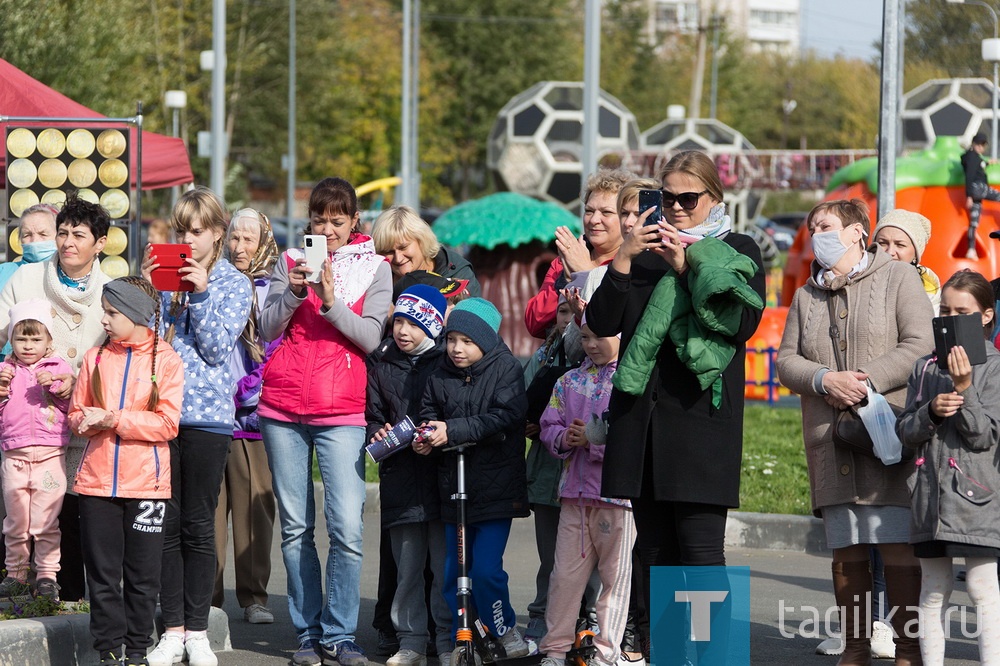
(33, 437)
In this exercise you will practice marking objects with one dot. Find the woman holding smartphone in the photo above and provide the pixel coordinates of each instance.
(675, 448)
(203, 326)
(314, 399)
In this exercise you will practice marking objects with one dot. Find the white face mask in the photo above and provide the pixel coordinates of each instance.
(828, 248)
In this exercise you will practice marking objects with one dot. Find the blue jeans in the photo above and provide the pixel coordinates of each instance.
(339, 454)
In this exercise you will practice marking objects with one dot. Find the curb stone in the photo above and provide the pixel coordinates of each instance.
(65, 640)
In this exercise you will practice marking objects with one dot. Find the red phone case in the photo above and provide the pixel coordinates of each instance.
(170, 257)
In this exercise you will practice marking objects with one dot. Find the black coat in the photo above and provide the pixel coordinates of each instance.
(693, 449)
(407, 481)
(484, 403)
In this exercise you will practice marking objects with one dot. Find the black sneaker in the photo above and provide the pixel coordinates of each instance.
(111, 658)
(388, 643)
(12, 587)
(136, 659)
(47, 588)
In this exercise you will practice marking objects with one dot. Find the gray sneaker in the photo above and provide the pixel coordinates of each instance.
(407, 658)
(513, 644)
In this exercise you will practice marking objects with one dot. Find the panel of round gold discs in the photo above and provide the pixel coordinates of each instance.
(114, 266)
(88, 194)
(82, 173)
(116, 203)
(117, 240)
(21, 200)
(81, 143)
(111, 143)
(51, 142)
(113, 173)
(14, 241)
(55, 197)
(22, 173)
(52, 173)
(21, 142)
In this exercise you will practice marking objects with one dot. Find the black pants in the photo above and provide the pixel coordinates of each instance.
(197, 464)
(678, 534)
(71, 579)
(122, 543)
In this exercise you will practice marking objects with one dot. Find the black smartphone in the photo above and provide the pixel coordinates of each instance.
(651, 199)
(959, 330)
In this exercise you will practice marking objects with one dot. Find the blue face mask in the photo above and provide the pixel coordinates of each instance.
(40, 251)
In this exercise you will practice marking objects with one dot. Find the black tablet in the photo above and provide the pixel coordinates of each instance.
(965, 330)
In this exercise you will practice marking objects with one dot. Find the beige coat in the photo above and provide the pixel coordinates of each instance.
(885, 318)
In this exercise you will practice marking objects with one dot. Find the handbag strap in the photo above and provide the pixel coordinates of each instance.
(835, 333)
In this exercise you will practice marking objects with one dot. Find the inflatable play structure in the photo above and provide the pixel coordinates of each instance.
(929, 182)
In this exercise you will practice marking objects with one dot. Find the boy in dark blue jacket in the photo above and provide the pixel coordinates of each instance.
(477, 396)
(410, 507)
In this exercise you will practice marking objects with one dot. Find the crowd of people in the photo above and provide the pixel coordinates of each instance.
(136, 425)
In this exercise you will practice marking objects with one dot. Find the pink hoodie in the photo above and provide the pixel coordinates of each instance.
(33, 415)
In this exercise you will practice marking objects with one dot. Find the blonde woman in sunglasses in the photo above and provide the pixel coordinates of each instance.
(674, 448)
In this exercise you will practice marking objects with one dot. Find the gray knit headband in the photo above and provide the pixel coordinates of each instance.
(131, 301)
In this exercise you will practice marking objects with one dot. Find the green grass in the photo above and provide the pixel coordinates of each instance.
(774, 477)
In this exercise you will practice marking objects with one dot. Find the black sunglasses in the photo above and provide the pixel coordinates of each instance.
(687, 200)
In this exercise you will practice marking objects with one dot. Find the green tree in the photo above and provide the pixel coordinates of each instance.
(487, 53)
(948, 36)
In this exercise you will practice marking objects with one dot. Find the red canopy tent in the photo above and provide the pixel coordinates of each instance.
(165, 160)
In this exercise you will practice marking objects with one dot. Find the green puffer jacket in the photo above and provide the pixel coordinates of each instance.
(700, 311)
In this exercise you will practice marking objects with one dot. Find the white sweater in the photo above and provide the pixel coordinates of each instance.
(76, 315)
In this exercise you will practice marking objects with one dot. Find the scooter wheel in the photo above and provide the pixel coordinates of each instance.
(463, 656)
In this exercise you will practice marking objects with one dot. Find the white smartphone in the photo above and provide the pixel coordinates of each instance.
(315, 252)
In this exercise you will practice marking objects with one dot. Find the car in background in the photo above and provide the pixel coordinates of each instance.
(782, 235)
(793, 220)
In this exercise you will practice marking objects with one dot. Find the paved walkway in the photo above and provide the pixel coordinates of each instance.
(792, 578)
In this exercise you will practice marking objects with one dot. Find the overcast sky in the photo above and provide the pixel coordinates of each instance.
(847, 27)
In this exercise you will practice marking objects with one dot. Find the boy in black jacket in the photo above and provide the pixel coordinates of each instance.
(410, 508)
(476, 396)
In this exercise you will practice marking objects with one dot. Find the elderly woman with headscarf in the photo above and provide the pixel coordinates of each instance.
(246, 489)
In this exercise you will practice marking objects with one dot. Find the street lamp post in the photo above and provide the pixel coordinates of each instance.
(991, 53)
(175, 100)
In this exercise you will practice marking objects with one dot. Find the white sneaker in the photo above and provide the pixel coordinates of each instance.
(170, 650)
(883, 646)
(513, 644)
(407, 658)
(831, 646)
(199, 651)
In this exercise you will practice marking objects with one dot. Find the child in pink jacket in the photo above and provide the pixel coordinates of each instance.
(593, 531)
(33, 436)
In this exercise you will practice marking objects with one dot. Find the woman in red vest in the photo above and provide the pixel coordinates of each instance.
(314, 399)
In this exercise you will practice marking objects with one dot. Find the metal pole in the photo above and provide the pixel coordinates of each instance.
(404, 125)
(996, 85)
(715, 66)
(415, 110)
(133, 228)
(591, 85)
(889, 107)
(290, 160)
(175, 191)
(217, 179)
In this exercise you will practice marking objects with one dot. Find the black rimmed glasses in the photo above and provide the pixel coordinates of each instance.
(687, 200)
